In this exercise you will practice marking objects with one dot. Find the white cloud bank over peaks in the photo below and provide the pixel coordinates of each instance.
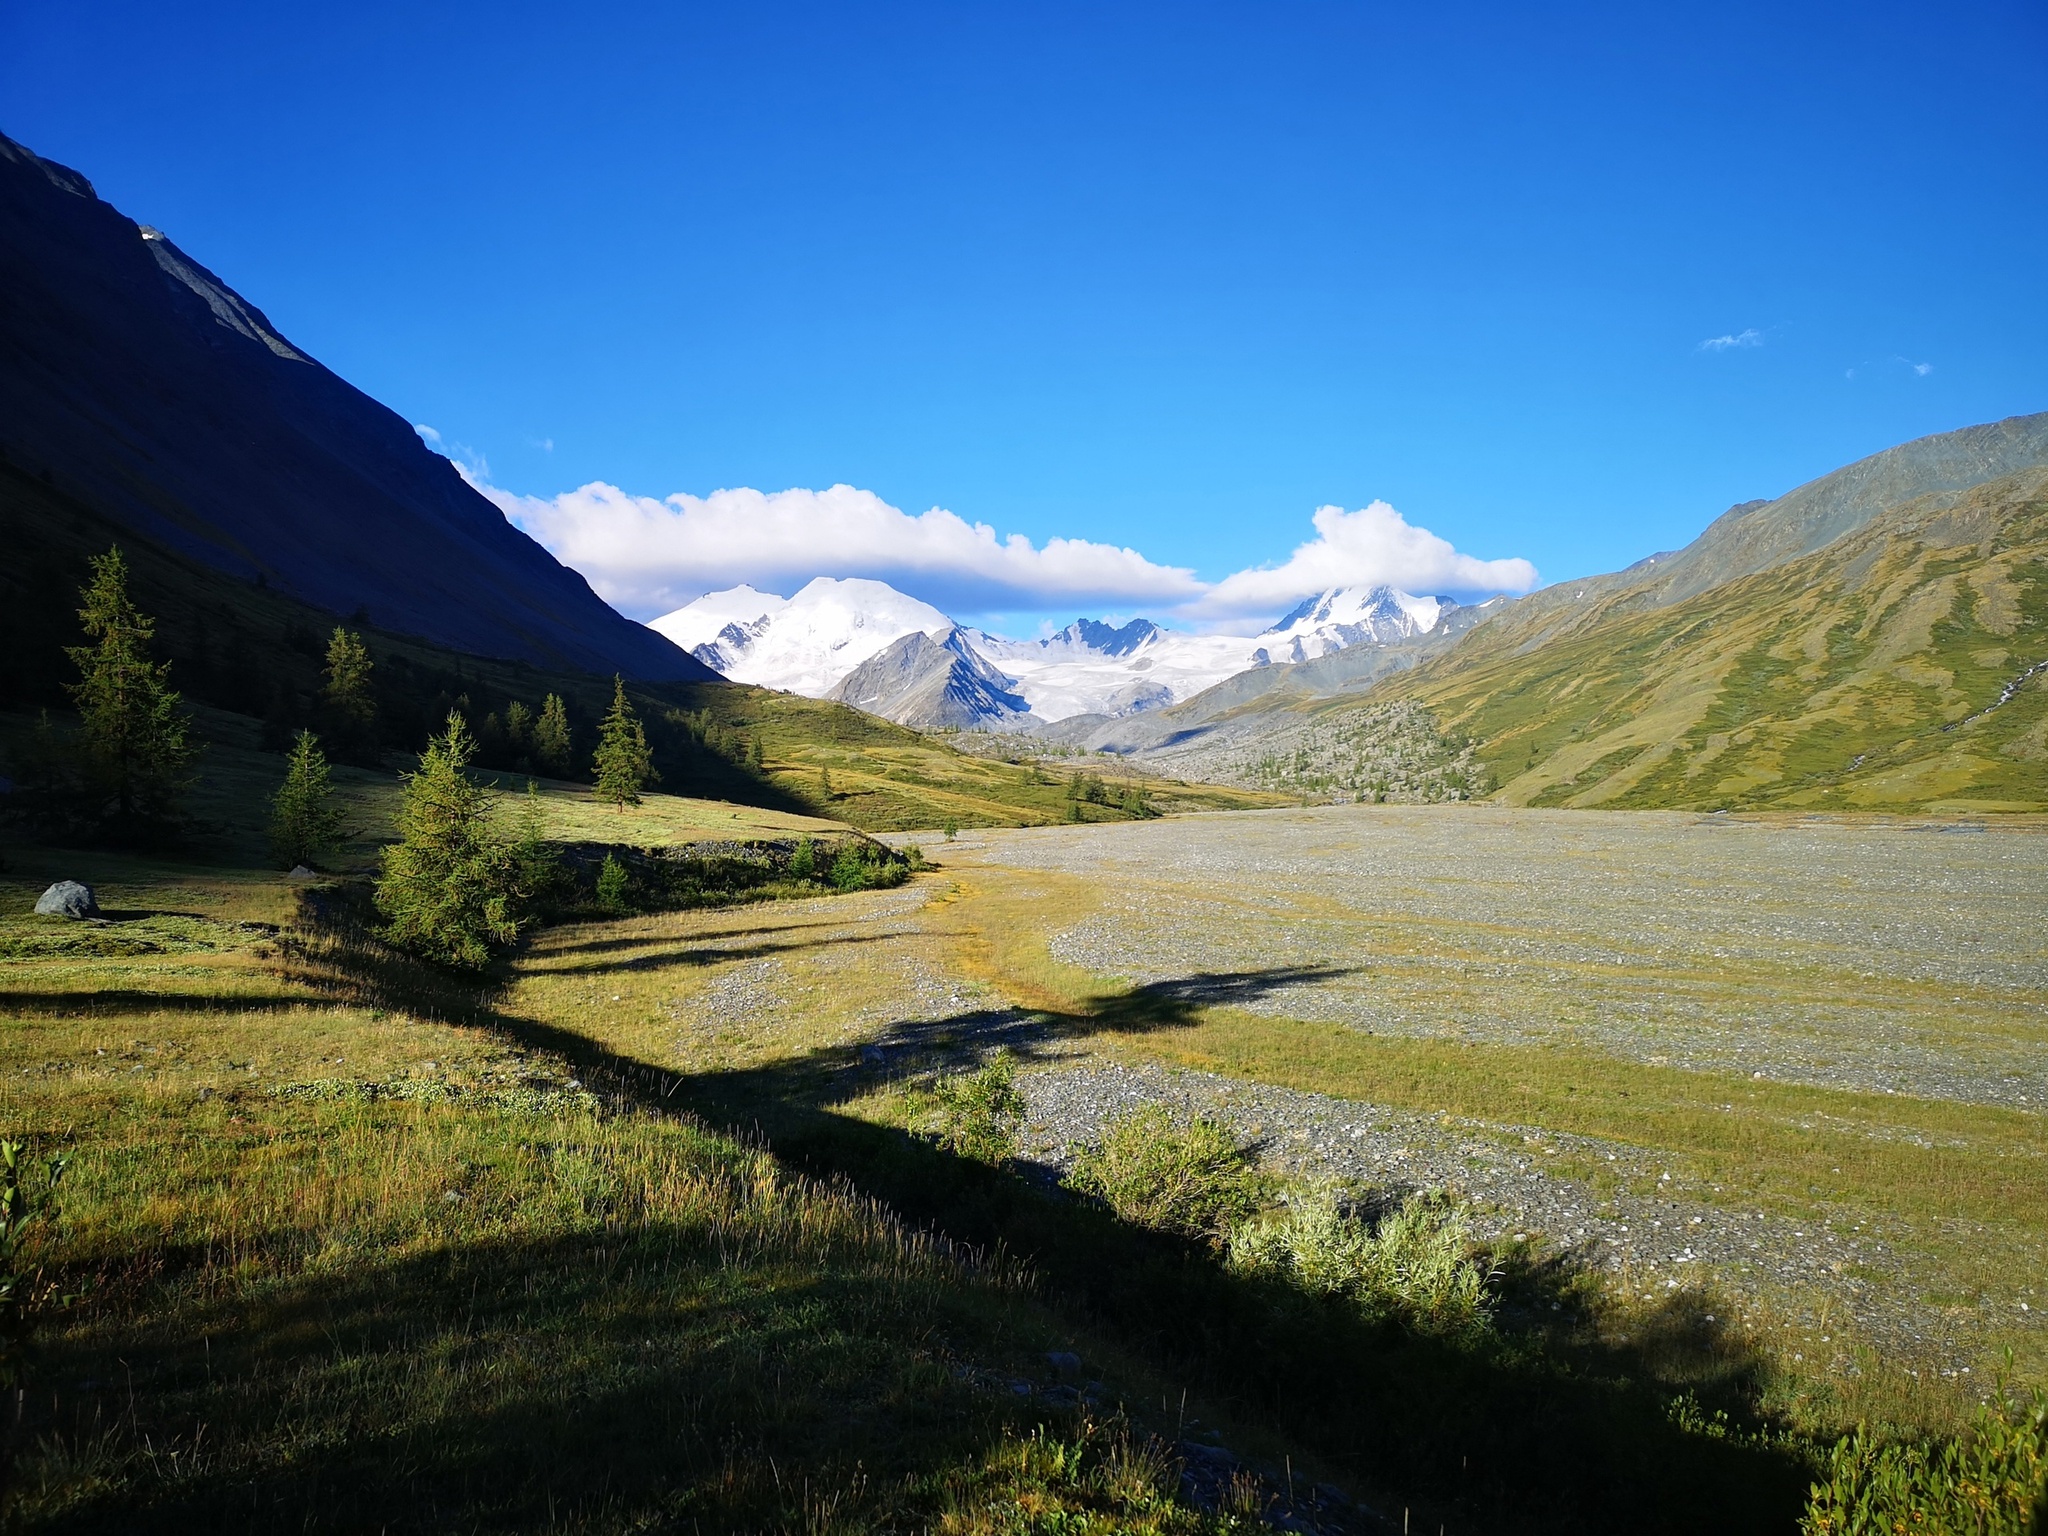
(648, 556)
(1371, 547)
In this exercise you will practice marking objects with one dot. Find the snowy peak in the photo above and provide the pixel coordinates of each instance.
(802, 644)
(869, 645)
(933, 683)
(1346, 616)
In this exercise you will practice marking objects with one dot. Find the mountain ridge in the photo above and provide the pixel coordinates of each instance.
(815, 640)
(143, 384)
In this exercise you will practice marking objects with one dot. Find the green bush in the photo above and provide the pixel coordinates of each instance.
(977, 1114)
(803, 864)
(1991, 1482)
(1414, 1268)
(1191, 1177)
(861, 866)
(611, 885)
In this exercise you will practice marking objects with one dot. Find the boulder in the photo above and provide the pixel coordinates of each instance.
(67, 898)
(301, 872)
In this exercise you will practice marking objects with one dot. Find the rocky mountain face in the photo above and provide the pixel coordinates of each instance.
(933, 685)
(1076, 680)
(135, 381)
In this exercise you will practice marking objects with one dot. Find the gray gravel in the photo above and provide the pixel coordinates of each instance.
(1880, 959)
(1676, 1239)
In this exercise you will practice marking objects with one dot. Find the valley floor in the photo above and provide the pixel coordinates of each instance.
(1799, 1063)
(491, 1256)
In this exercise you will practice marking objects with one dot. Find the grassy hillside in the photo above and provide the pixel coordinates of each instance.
(255, 654)
(1898, 669)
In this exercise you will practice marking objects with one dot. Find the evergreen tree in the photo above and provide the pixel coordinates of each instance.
(552, 752)
(305, 823)
(135, 747)
(623, 763)
(519, 732)
(448, 888)
(350, 705)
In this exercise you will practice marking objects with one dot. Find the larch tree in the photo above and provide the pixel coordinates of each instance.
(449, 888)
(552, 752)
(305, 823)
(623, 763)
(134, 732)
(350, 705)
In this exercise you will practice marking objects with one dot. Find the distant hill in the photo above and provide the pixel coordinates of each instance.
(1875, 639)
(1901, 666)
(135, 382)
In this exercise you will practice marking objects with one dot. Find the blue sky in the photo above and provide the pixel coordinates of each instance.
(1167, 277)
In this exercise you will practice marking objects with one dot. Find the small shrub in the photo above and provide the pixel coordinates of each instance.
(861, 866)
(611, 885)
(952, 829)
(803, 864)
(1191, 1177)
(1415, 1268)
(1991, 1482)
(977, 1114)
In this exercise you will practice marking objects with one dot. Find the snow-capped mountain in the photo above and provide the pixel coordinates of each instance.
(1348, 616)
(803, 644)
(851, 640)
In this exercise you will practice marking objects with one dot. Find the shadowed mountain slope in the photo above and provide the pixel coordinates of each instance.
(136, 382)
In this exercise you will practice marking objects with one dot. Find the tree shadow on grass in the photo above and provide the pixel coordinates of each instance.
(654, 1375)
(1542, 1426)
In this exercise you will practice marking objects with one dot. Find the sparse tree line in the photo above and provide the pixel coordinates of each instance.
(1391, 753)
(465, 875)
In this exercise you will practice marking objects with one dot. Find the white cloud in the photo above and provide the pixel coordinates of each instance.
(647, 556)
(1923, 369)
(1375, 544)
(1749, 338)
(427, 433)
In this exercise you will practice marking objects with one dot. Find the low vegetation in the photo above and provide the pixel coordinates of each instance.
(1379, 754)
(1415, 1266)
(1990, 1480)
(1193, 1178)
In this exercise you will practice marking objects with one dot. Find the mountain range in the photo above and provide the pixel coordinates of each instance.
(870, 645)
(134, 381)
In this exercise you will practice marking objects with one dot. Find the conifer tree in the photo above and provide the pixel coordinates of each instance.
(305, 823)
(448, 888)
(623, 763)
(134, 732)
(552, 753)
(350, 705)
